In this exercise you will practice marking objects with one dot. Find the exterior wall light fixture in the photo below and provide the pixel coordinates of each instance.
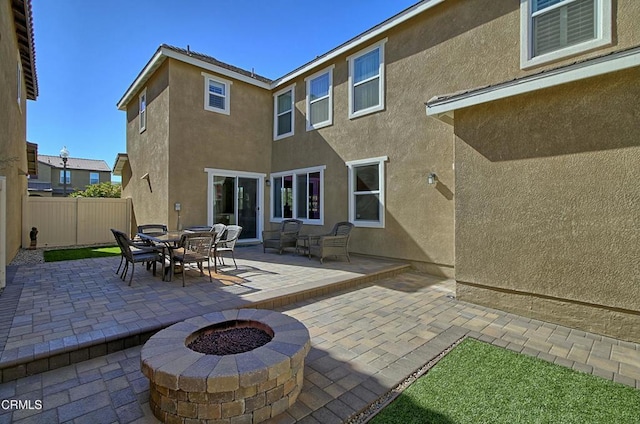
(432, 178)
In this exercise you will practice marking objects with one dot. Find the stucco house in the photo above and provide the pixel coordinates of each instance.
(79, 174)
(18, 83)
(520, 180)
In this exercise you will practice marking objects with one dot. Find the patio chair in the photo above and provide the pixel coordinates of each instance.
(286, 236)
(195, 248)
(133, 253)
(199, 228)
(335, 243)
(219, 229)
(228, 243)
(153, 229)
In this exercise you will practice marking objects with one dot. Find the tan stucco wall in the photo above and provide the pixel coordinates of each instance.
(548, 203)
(418, 65)
(148, 152)
(13, 133)
(202, 139)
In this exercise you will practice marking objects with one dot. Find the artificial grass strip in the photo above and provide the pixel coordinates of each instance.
(80, 253)
(480, 383)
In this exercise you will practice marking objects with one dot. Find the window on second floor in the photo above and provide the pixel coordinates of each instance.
(555, 29)
(283, 112)
(142, 106)
(366, 81)
(298, 194)
(19, 82)
(94, 178)
(217, 92)
(320, 99)
(62, 176)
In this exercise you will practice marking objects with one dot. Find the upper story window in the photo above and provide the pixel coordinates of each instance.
(298, 194)
(216, 94)
(283, 116)
(366, 80)
(320, 99)
(367, 192)
(556, 29)
(19, 82)
(62, 176)
(142, 107)
(94, 178)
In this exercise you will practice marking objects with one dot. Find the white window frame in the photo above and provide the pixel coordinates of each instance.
(294, 208)
(227, 94)
(309, 80)
(91, 175)
(19, 82)
(603, 35)
(62, 173)
(142, 110)
(351, 59)
(351, 165)
(279, 93)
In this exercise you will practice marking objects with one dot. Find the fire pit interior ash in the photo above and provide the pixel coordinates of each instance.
(231, 337)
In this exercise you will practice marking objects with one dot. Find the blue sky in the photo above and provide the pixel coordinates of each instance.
(88, 52)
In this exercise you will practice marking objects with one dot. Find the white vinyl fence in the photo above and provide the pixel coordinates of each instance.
(68, 221)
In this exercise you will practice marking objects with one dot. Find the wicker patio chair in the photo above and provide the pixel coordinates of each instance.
(133, 253)
(228, 243)
(153, 229)
(195, 247)
(286, 236)
(219, 229)
(335, 243)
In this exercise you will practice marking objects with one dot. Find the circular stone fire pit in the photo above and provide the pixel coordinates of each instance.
(251, 386)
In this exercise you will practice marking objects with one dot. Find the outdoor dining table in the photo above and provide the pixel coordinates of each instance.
(170, 241)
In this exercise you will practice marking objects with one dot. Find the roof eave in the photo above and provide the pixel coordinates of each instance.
(165, 52)
(121, 161)
(366, 37)
(142, 78)
(445, 105)
(23, 20)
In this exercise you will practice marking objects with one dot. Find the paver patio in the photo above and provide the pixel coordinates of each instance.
(365, 339)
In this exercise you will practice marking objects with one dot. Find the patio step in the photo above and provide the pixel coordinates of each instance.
(30, 360)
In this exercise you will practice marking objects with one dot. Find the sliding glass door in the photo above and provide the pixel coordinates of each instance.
(236, 198)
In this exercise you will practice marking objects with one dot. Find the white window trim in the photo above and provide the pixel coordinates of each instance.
(141, 113)
(310, 126)
(351, 59)
(294, 209)
(62, 175)
(97, 175)
(380, 161)
(603, 36)
(19, 81)
(291, 88)
(227, 94)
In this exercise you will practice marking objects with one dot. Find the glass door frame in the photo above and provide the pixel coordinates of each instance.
(211, 173)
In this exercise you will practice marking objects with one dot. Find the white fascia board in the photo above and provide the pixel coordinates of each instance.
(214, 68)
(584, 70)
(365, 38)
(153, 64)
(164, 53)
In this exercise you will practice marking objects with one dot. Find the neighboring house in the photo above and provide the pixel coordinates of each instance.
(79, 174)
(533, 158)
(18, 83)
